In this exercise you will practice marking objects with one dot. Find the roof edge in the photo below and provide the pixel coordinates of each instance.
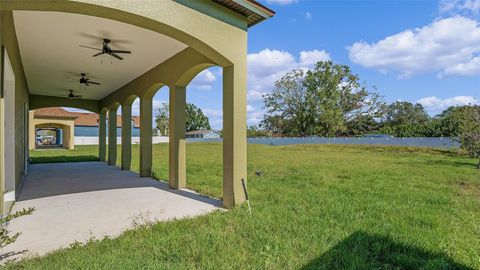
(254, 4)
(251, 9)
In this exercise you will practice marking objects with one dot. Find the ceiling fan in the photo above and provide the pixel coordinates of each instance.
(107, 50)
(71, 95)
(86, 81)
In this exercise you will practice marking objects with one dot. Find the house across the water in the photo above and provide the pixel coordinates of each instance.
(57, 127)
(203, 134)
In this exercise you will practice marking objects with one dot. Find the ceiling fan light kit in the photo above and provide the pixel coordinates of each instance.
(71, 95)
(107, 50)
(86, 81)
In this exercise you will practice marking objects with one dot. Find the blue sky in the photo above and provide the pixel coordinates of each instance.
(417, 51)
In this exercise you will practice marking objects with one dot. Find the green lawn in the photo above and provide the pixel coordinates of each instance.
(314, 207)
(81, 153)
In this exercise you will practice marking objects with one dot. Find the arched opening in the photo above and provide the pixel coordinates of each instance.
(167, 49)
(53, 135)
(130, 139)
(204, 145)
(159, 96)
(62, 134)
(119, 135)
(62, 127)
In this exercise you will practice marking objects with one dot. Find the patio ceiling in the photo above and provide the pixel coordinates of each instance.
(50, 42)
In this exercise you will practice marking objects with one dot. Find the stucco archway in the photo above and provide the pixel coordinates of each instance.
(65, 139)
(221, 40)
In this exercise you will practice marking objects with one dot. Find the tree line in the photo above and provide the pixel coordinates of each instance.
(330, 100)
(195, 119)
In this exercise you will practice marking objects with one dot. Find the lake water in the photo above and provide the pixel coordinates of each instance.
(434, 142)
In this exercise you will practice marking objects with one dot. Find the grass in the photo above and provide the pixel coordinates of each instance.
(81, 153)
(314, 207)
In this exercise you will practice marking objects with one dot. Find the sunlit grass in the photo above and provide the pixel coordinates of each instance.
(314, 207)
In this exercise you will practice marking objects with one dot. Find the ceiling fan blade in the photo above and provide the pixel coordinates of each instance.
(120, 51)
(72, 74)
(97, 83)
(97, 54)
(91, 48)
(116, 56)
(89, 36)
(120, 41)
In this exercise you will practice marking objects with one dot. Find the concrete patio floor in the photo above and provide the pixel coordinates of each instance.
(81, 201)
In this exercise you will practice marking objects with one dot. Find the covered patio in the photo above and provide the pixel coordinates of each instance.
(91, 200)
(100, 56)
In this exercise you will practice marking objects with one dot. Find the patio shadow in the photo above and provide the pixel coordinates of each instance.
(366, 251)
(56, 179)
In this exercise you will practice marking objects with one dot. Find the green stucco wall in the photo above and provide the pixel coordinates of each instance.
(9, 41)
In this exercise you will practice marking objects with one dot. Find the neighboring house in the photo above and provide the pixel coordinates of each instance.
(57, 127)
(203, 134)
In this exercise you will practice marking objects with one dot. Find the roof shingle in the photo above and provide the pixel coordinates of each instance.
(81, 119)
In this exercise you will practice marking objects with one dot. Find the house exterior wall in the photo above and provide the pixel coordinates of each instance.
(89, 131)
(9, 42)
(206, 135)
(211, 135)
(135, 140)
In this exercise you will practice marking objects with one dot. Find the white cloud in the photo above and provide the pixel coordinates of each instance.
(282, 2)
(459, 6)
(446, 47)
(211, 113)
(204, 80)
(308, 15)
(215, 117)
(136, 107)
(470, 68)
(267, 62)
(310, 58)
(254, 116)
(435, 105)
(156, 104)
(264, 68)
(267, 66)
(254, 95)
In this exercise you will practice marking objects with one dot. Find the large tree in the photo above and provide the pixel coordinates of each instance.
(448, 123)
(324, 101)
(161, 120)
(469, 135)
(195, 119)
(405, 119)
